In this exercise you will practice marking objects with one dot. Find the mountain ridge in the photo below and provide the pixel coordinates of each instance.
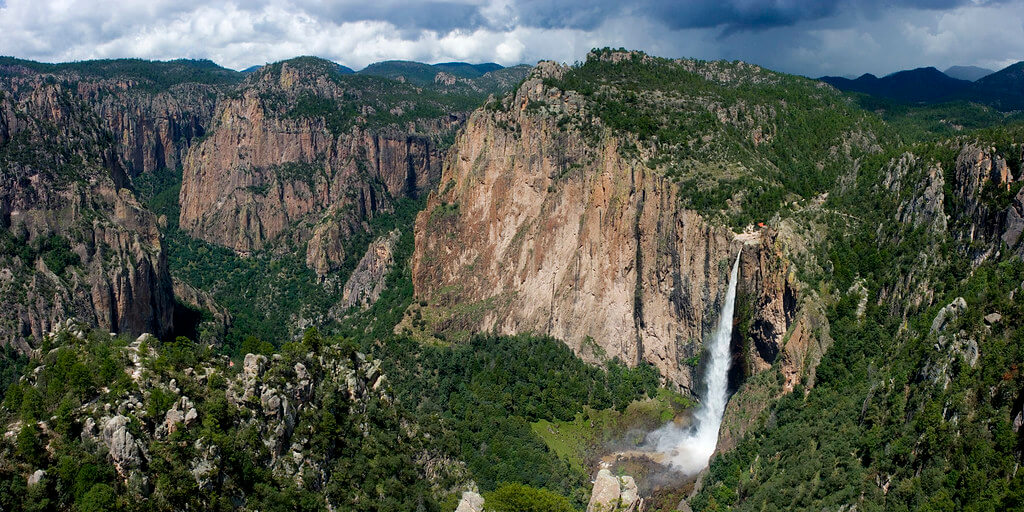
(971, 73)
(1003, 89)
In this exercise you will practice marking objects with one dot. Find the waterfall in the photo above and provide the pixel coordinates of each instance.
(690, 449)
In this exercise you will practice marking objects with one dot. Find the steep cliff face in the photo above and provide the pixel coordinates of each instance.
(151, 131)
(74, 242)
(152, 111)
(367, 281)
(536, 229)
(989, 197)
(273, 164)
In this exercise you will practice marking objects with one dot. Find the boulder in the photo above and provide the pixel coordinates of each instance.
(253, 365)
(614, 494)
(470, 502)
(122, 445)
(605, 496)
(948, 313)
(36, 477)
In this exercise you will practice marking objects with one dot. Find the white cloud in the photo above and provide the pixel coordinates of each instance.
(991, 36)
(240, 34)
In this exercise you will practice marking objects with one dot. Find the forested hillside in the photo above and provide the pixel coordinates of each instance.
(917, 403)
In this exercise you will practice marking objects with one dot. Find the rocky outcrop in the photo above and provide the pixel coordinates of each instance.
(125, 451)
(975, 167)
(181, 415)
(470, 502)
(919, 189)
(367, 281)
(536, 229)
(975, 201)
(989, 214)
(269, 168)
(280, 395)
(954, 350)
(280, 402)
(948, 313)
(982, 210)
(78, 244)
(614, 494)
(808, 341)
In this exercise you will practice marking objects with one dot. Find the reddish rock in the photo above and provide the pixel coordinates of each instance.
(536, 230)
(262, 172)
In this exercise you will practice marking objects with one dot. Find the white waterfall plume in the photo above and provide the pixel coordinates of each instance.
(689, 449)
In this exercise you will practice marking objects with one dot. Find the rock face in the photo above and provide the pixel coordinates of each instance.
(269, 167)
(208, 331)
(366, 283)
(152, 110)
(126, 452)
(980, 177)
(61, 199)
(152, 131)
(535, 229)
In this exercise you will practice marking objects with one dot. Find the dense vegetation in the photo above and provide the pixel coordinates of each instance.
(471, 402)
(54, 249)
(918, 123)
(77, 374)
(491, 389)
(725, 130)
(152, 75)
(374, 100)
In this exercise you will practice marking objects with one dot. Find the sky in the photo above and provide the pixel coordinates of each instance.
(809, 37)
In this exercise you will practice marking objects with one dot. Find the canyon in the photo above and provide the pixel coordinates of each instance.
(496, 283)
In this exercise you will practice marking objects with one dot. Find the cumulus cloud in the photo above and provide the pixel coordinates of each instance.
(813, 38)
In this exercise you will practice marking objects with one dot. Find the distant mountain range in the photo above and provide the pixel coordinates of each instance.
(1003, 90)
(971, 73)
(417, 73)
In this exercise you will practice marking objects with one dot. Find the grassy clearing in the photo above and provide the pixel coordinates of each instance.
(593, 432)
